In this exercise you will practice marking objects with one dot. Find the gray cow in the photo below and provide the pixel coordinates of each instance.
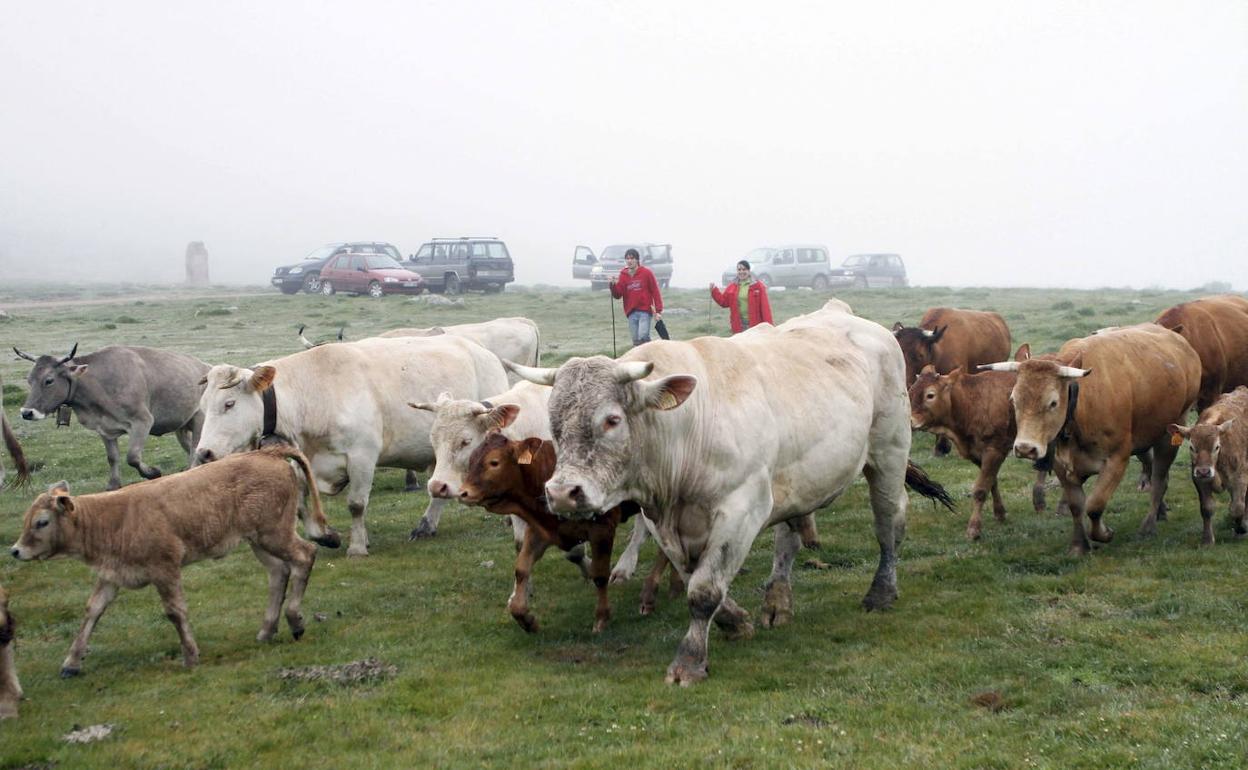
(122, 390)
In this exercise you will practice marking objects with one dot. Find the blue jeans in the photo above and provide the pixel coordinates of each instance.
(639, 326)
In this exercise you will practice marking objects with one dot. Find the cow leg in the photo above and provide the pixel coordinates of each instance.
(518, 528)
(134, 451)
(101, 596)
(1146, 475)
(1076, 501)
(114, 462)
(1238, 488)
(742, 515)
(279, 576)
(886, 479)
(1110, 477)
(299, 555)
(985, 483)
(942, 447)
(518, 603)
(171, 596)
(778, 599)
(360, 474)
(1163, 457)
(411, 482)
(650, 586)
(428, 526)
(809, 532)
(627, 564)
(1037, 492)
(601, 543)
(1204, 492)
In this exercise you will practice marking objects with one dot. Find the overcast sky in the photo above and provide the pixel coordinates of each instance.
(1077, 144)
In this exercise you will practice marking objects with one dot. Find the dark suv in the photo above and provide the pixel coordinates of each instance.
(864, 271)
(453, 265)
(306, 273)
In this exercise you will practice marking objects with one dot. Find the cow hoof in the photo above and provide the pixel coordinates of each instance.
(190, 661)
(646, 608)
(778, 605)
(620, 576)
(69, 672)
(1144, 485)
(264, 636)
(1102, 535)
(1148, 529)
(422, 531)
(113, 486)
(600, 626)
(743, 630)
(330, 539)
(528, 622)
(685, 674)
(1079, 549)
(357, 552)
(1163, 511)
(879, 599)
(973, 533)
(296, 633)
(1037, 499)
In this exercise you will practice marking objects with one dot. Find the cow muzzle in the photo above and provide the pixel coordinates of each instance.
(1028, 450)
(570, 497)
(203, 456)
(32, 414)
(16, 553)
(438, 488)
(1202, 472)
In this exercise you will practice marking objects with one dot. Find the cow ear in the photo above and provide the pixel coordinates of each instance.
(262, 378)
(1023, 353)
(669, 392)
(528, 448)
(937, 334)
(76, 370)
(898, 327)
(61, 486)
(1224, 427)
(955, 374)
(62, 502)
(444, 397)
(1178, 430)
(203, 380)
(426, 406)
(501, 416)
(928, 369)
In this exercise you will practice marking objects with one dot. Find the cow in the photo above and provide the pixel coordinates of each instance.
(1219, 447)
(1217, 329)
(345, 406)
(507, 477)
(14, 448)
(973, 411)
(145, 533)
(460, 426)
(122, 390)
(10, 688)
(719, 438)
(1096, 402)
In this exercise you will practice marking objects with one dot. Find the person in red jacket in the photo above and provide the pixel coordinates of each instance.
(640, 292)
(745, 298)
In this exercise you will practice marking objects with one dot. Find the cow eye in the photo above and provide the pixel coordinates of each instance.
(931, 396)
(49, 381)
(229, 404)
(41, 524)
(463, 444)
(494, 463)
(1053, 404)
(612, 421)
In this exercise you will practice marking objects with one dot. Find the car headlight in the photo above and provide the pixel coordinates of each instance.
(295, 271)
(596, 270)
(391, 280)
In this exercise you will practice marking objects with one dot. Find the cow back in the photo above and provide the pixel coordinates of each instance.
(1217, 329)
(971, 338)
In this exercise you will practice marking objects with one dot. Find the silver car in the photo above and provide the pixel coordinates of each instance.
(800, 264)
(599, 269)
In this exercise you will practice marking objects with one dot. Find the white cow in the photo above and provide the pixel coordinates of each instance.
(718, 439)
(345, 406)
(459, 427)
(514, 339)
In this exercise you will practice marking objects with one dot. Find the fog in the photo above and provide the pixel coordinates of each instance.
(1069, 144)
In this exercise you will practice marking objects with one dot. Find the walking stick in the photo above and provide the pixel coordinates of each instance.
(614, 354)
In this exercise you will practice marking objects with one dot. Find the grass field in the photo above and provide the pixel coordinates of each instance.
(1001, 653)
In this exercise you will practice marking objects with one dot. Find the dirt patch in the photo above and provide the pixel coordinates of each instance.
(805, 720)
(991, 700)
(358, 672)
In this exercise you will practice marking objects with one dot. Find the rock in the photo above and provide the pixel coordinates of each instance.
(196, 264)
(438, 300)
(488, 564)
(88, 734)
(367, 671)
(677, 311)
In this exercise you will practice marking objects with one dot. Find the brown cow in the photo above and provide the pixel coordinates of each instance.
(948, 338)
(1219, 442)
(146, 532)
(1143, 378)
(1217, 329)
(15, 452)
(10, 688)
(508, 477)
(973, 411)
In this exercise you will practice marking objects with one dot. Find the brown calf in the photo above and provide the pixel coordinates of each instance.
(10, 689)
(1219, 444)
(508, 478)
(973, 411)
(146, 532)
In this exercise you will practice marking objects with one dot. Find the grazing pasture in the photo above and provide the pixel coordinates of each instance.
(1005, 652)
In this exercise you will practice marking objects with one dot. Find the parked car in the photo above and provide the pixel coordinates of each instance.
(870, 271)
(306, 273)
(801, 264)
(599, 269)
(372, 274)
(453, 265)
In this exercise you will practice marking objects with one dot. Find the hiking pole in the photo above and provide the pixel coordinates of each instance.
(614, 354)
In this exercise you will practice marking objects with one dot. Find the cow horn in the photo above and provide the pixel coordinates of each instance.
(928, 333)
(1000, 366)
(307, 343)
(534, 374)
(1071, 371)
(71, 355)
(233, 379)
(632, 370)
(23, 355)
(341, 329)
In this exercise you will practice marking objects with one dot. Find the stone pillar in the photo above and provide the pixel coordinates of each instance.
(196, 264)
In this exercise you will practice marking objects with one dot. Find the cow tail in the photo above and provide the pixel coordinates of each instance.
(920, 482)
(316, 525)
(15, 451)
(537, 354)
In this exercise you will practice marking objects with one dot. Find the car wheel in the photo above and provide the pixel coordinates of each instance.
(327, 288)
(452, 284)
(664, 283)
(860, 282)
(899, 281)
(493, 288)
(820, 283)
(312, 283)
(374, 289)
(766, 279)
(289, 289)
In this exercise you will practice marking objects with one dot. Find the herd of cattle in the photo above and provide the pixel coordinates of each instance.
(714, 440)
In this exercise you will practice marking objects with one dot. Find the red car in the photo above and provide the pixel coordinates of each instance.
(371, 274)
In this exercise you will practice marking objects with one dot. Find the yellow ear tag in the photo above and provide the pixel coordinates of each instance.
(1176, 439)
(525, 458)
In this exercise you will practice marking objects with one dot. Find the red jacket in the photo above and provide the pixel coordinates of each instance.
(756, 302)
(639, 291)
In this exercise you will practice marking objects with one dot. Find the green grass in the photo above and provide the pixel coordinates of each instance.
(1133, 656)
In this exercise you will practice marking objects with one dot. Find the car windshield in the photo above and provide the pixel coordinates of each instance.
(759, 256)
(323, 252)
(858, 260)
(381, 262)
(616, 253)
